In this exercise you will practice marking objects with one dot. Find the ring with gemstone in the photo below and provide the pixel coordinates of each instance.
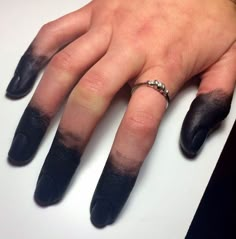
(156, 85)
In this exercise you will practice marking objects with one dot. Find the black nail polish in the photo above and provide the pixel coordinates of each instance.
(101, 214)
(204, 115)
(112, 192)
(25, 74)
(28, 135)
(58, 169)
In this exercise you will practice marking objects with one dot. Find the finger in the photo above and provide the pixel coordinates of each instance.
(133, 141)
(86, 105)
(52, 37)
(60, 76)
(211, 105)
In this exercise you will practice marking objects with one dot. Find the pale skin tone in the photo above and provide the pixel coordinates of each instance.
(108, 43)
(118, 34)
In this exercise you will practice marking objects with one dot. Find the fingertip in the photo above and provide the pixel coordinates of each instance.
(110, 196)
(19, 155)
(26, 73)
(205, 113)
(16, 90)
(46, 192)
(191, 143)
(101, 214)
(28, 135)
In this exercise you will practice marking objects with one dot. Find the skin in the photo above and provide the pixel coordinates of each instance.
(93, 53)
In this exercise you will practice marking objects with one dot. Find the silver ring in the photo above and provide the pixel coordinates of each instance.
(156, 85)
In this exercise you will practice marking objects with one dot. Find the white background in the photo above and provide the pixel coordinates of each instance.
(167, 192)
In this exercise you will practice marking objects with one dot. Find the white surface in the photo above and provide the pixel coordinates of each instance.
(169, 187)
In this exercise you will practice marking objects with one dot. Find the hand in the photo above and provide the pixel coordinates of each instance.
(95, 51)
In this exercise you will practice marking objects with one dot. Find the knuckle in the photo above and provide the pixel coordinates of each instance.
(91, 93)
(133, 51)
(88, 102)
(175, 58)
(141, 123)
(103, 32)
(47, 28)
(63, 61)
(95, 83)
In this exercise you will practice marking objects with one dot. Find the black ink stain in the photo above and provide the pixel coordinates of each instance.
(57, 172)
(112, 191)
(204, 115)
(28, 135)
(25, 74)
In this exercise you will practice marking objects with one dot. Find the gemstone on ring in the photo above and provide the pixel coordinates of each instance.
(155, 84)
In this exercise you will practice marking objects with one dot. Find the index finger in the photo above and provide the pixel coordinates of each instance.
(51, 38)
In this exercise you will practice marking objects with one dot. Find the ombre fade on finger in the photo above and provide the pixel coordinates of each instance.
(62, 161)
(51, 38)
(205, 114)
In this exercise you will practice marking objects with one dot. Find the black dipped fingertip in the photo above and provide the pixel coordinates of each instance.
(46, 192)
(57, 172)
(25, 74)
(101, 214)
(110, 196)
(192, 142)
(19, 153)
(18, 88)
(205, 114)
(28, 135)
(12, 89)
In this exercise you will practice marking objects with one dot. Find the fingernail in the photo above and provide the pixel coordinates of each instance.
(198, 140)
(17, 88)
(205, 113)
(46, 191)
(101, 214)
(18, 153)
(28, 135)
(26, 73)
